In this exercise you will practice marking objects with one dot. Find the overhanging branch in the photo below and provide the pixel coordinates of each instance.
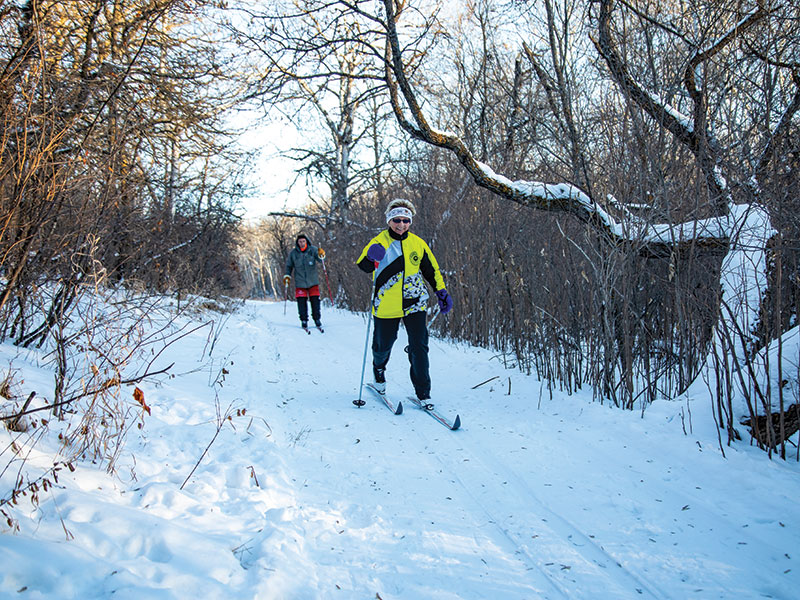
(649, 240)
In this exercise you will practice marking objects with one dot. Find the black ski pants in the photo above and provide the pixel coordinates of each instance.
(417, 329)
(302, 309)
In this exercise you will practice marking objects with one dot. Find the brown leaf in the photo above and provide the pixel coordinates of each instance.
(138, 395)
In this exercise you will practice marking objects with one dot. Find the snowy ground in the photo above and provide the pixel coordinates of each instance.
(307, 496)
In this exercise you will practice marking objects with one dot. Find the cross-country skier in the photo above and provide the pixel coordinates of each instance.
(303, 261)
(402, 262)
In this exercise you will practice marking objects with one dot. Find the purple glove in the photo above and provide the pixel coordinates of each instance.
(376, 253)
(445, 301)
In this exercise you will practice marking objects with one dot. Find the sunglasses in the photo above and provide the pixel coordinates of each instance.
(399, 220)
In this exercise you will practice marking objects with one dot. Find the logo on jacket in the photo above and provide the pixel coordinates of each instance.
(414, 258)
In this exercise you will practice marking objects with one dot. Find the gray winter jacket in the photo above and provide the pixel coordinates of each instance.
(304, 265)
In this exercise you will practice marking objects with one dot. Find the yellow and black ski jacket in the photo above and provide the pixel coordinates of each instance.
(399, 285)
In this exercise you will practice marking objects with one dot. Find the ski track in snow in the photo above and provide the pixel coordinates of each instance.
(571, 562)
(309, 497)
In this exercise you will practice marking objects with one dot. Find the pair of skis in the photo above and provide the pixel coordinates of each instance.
(398, 409)
(308, 331)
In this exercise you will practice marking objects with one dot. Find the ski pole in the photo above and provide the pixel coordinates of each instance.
(360, 402)
(325, 270)
(285, 295)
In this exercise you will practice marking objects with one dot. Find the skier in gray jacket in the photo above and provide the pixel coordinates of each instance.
(303, 261)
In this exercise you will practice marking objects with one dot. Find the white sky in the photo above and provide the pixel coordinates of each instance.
(273, 173)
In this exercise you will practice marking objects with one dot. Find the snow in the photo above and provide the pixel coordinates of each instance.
(682, 119)
(634, 228)
(744, 269)
(305, 496)
(550, 192)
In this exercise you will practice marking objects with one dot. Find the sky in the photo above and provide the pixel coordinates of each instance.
(301, 495)
(273, 173)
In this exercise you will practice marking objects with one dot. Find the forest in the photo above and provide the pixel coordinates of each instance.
(611, 187)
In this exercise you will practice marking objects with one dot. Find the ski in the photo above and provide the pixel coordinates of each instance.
(398, 410)
(428, 408)
(321, 330)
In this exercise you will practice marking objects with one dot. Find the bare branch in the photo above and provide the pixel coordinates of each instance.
(564, 197)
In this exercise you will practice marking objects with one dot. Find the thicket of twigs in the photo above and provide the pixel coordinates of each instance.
(117, 181)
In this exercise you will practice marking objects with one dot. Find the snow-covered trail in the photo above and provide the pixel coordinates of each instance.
(571, 500)
(306, 496)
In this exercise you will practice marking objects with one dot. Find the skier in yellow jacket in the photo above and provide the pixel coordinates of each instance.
(401, 263)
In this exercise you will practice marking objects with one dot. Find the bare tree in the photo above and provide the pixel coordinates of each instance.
(314, 70)
(112, 114)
